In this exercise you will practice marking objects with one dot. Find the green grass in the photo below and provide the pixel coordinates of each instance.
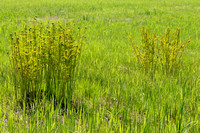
(111, 94)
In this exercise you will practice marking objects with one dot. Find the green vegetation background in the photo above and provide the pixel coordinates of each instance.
(111, 92)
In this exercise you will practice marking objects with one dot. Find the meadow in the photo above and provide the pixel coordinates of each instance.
(111, 93)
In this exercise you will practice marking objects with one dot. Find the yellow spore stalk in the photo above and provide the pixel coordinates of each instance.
(166, 54)
(171, 51)
(147, 55)
(46, 54)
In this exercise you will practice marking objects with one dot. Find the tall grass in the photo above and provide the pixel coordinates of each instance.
(111, 93)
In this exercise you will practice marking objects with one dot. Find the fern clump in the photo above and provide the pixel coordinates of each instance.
(44, 58)
(158, 52)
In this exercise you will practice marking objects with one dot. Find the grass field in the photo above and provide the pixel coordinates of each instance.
(112, 93)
